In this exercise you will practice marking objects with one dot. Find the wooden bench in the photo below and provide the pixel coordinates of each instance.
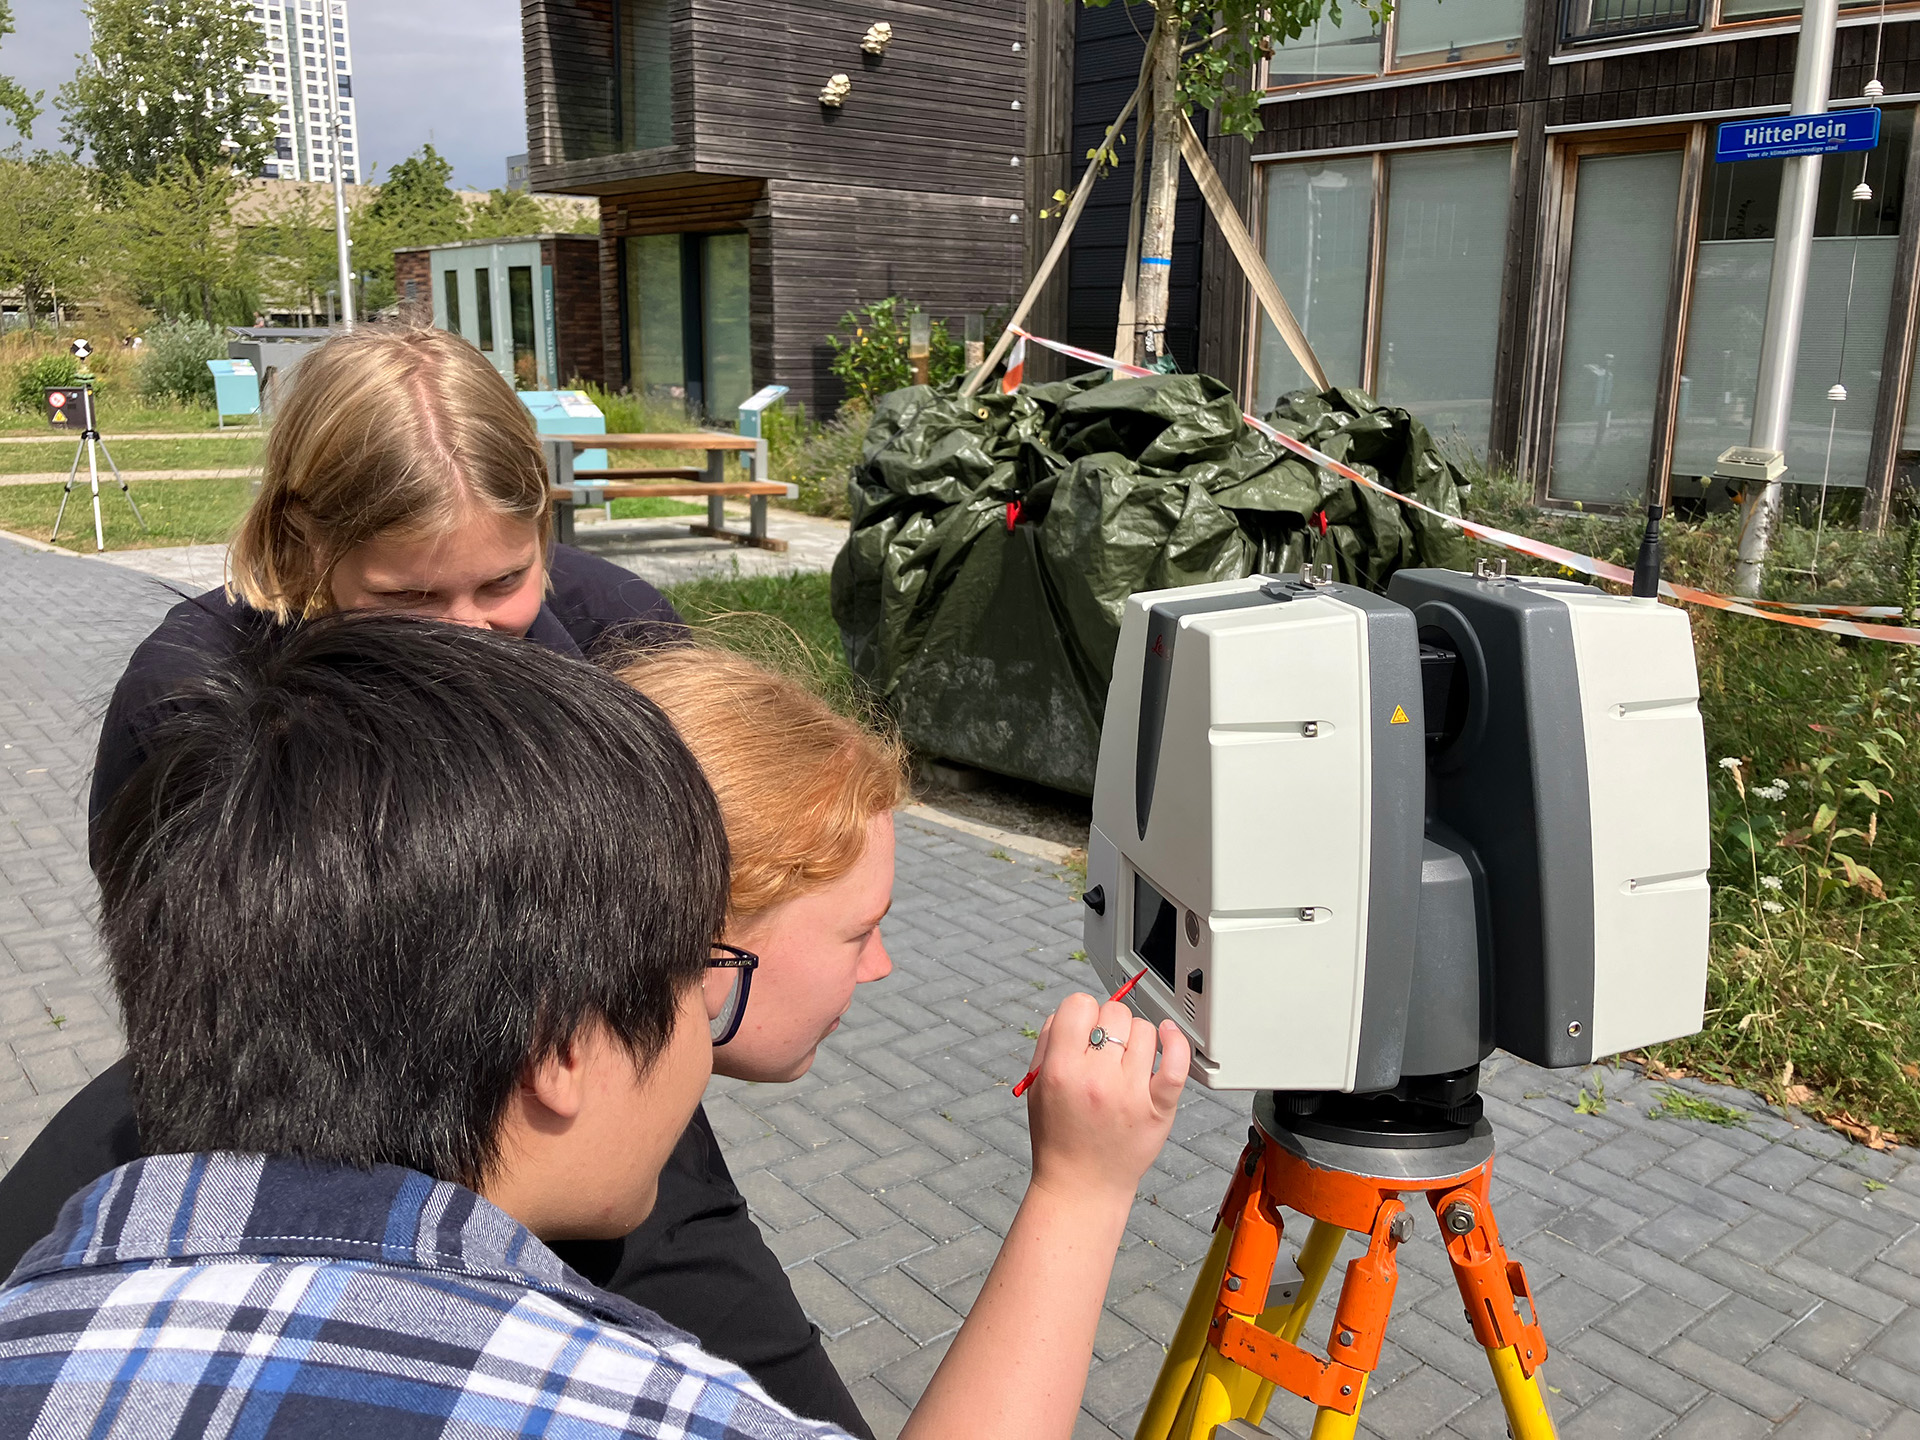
(573, 488)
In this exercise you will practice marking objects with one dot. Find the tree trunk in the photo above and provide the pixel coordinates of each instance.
(26, 300)
(1163, 189)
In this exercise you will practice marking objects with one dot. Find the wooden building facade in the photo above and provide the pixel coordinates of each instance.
(1503, 214)
(1507, 216)
(740, 216)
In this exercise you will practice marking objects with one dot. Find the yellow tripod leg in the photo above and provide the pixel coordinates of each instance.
(1189, 1339)
(1316, 1259)
(1332, 1425)
(1526, 1406)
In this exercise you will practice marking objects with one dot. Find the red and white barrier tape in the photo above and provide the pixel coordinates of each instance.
(1807, 617)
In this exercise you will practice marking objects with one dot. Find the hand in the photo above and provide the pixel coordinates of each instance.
(1099, 1117)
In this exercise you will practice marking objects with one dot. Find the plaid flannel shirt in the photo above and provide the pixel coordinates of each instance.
(235, 1295)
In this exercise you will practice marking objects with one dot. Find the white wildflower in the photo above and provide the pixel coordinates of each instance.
(1770, 882)
(1729, 762)
(1772, 907)
(1775, 791)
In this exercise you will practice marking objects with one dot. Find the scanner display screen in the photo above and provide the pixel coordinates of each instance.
(1154, 926)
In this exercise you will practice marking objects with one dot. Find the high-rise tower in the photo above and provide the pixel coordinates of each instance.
(309, 71)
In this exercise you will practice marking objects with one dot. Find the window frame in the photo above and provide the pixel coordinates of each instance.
(1391, 71)
(1547, 354)
(1372, 309)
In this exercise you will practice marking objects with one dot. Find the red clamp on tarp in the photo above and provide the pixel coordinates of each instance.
(1320, 518)
(1013, 514)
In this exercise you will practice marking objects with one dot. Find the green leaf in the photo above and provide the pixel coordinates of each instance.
(1823, 818)
(1869, 791)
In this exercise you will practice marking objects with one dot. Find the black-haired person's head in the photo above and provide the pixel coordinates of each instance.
(379, 871)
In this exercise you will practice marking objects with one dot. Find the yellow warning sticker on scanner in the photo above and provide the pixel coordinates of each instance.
(1399, 716)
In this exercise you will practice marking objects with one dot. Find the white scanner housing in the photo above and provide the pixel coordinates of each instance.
(1326, 899)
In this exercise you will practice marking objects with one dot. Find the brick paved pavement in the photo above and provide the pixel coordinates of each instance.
(1694, 1281)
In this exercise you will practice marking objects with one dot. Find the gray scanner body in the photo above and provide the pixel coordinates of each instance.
(1326, 900)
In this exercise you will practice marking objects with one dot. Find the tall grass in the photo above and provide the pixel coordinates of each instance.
(1813, 744)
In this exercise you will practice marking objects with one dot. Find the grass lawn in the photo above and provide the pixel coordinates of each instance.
(178, 512)
(785, 621)
(126, 418)
(648, 507)
(184, 454)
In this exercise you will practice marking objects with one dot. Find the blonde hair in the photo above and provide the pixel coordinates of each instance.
(385, 431)
(797, 782)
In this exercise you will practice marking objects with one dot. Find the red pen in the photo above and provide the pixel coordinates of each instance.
(1119, 994)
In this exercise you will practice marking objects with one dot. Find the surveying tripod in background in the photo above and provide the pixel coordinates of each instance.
(57, 400)
(1233, 1348)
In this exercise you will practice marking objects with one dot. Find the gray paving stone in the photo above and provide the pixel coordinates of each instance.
(1718, 1418)
(1619, 1414)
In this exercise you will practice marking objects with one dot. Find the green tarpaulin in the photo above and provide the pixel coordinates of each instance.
(996, 539)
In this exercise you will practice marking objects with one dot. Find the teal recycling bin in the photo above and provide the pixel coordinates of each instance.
(568, 412)
(236, 389)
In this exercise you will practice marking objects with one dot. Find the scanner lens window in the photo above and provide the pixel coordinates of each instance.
(1155, 919)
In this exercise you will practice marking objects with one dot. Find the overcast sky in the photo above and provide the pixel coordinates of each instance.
(445, 70)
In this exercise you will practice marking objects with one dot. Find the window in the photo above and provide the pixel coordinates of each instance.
(1624, 218)
(1329, 51)
(483, 307)
(1843, 332)
(1609, 19)
(688, 319)
(1317, 237)
(1441, 266)
(450, 283)
(646, 63)
(1440, 32)
(526, 369)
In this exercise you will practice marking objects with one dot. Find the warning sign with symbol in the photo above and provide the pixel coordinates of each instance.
(82, 349)
(67, 408)
(1399, 716)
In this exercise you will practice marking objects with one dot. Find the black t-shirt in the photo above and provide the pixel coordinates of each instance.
(592, 607)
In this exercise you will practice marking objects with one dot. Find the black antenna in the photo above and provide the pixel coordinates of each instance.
(1646, 569)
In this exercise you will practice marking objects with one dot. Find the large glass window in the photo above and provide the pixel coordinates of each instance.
(656, 334)
(729, 329)
(1440, 32)
(689, 327)
(1754, 9)
(1624, 216)
(616, 76)
(1329, 49)
(483, 306)
(450, 282)
(1843, 332)
(526, 370)
(646, 66)
(1440, 287)
(1317, 237)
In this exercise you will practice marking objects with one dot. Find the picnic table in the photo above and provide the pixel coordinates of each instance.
(573, 488)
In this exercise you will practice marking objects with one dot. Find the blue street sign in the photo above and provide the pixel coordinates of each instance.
(1771, 137)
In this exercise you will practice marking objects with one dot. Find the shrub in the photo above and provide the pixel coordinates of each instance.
(33, 378)
(870, 350)
(175, 364)
(817, 459)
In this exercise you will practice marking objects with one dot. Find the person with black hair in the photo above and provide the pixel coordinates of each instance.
(402, 474)
(413, 927)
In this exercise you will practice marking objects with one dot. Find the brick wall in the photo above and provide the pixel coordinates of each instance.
(413, 285)
(577, 304)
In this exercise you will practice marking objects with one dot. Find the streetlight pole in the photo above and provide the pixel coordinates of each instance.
(341, 242)
(1786, 291)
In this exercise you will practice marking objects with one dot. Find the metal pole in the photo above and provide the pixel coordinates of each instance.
(341, 243)
(1787, 291)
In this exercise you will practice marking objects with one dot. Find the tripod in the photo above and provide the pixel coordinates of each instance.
(89, 439)
(1346, 1172)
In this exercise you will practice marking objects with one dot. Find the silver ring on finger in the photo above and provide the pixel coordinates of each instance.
(1100, 1038)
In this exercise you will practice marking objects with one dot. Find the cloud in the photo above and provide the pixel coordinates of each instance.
(449, 70)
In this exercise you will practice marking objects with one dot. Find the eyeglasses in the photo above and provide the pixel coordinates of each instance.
(729, 979)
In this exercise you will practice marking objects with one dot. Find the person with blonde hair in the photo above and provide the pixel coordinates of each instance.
(402, 474)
